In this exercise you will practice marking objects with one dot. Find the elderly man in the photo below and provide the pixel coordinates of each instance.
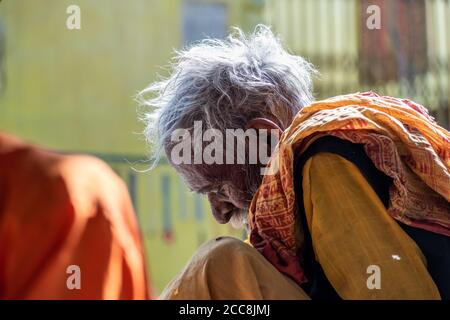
(353, 203)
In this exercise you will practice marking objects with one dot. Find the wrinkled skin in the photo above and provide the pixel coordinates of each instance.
(224, 185)
(229, 187)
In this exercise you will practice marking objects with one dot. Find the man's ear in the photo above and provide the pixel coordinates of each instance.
(263, 123)
(272, 137)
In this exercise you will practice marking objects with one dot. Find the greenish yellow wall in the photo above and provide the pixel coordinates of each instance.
(330, 29)
(73, 90)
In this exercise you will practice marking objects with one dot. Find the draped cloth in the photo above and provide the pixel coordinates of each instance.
(398, 135)
(67, 228)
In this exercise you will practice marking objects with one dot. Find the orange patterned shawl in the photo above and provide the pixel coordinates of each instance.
(400, 138)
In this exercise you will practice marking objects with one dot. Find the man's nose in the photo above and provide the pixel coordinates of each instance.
(221, 209)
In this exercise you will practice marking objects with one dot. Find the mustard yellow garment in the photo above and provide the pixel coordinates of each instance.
(228, 268)
(351, 230)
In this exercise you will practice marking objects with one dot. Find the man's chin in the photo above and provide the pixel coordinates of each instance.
(239, 220)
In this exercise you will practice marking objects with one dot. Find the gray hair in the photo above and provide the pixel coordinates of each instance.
(226, 83)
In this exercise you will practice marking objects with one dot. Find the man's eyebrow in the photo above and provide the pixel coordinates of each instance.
(196, 190)
(204, 189)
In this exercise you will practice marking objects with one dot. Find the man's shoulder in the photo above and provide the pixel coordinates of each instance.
(352, 152)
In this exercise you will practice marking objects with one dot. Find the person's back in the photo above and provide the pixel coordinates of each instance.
(67, 228)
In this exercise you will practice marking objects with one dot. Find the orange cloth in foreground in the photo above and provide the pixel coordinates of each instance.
(57, 211)
(400, 138)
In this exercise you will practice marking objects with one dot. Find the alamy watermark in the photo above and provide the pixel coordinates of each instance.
(73, 281)
(374, 280)
(373, 22)
(73, 21)
(234, 146)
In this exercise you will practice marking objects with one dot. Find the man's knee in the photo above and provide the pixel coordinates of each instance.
(222, 245)
(222, 250)
(211, 263)
(228, 268)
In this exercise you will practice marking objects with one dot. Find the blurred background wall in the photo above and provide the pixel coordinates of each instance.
(409, 56)
(73, 90)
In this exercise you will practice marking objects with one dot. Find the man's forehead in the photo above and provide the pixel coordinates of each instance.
(197, 176)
